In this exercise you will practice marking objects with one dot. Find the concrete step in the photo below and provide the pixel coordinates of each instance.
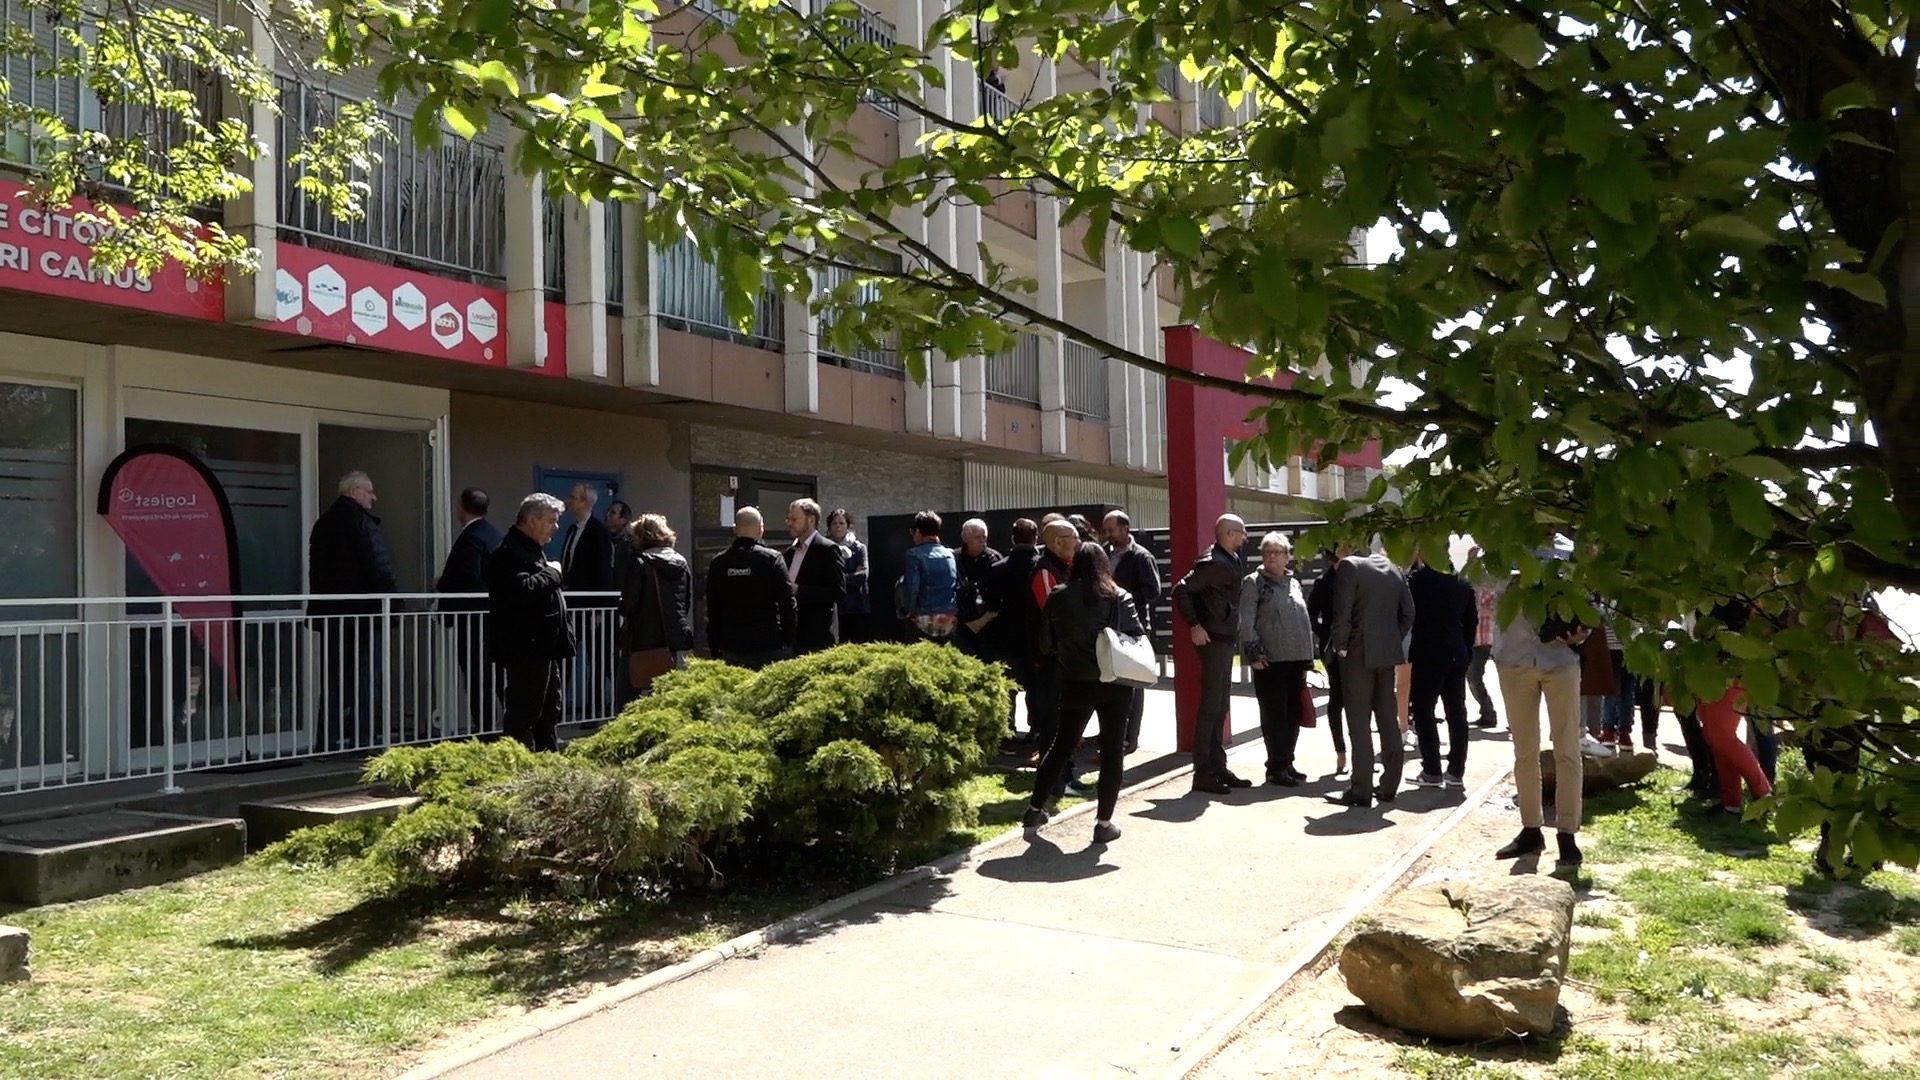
(273, 820)
(78, 857)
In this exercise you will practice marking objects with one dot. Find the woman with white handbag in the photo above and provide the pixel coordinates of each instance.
(1093, 635)
(1276, 641)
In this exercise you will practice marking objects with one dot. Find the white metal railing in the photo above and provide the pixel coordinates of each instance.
(1169, 78)
(867, 26)
(101, 689)
(995, 105)
(1014, 375)
(883, 356)
(1087, 380)
(690, 298)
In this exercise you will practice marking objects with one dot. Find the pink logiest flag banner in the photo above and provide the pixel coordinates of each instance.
(172, 514)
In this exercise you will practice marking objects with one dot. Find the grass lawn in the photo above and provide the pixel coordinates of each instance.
(1705, 947)
(271, 970)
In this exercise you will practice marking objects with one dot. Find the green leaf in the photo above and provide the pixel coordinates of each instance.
(1522, 44)
(1748, 502)
(459, 116)
(1733, 229)
(1717, 436)
(1181, 236)
(1761, 680)
(1763, 468)
(1865, 286)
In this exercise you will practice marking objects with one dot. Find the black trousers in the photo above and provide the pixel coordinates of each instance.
(1477, 681)
(1277, 688)
(1043, 703)
(1136, 713)
(1372, 704)
(1216, 687)
(1705, 776)
(1336, 704)
(1080, 702)
(1649, 694)
(1445, 685)
(752, 661)
(533, 703)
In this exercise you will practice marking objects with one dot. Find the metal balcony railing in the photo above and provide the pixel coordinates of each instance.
(690, 299)
(553, 231)
(995, 105)
(1169, 79)
(443, 209)
(118, 688)
(867, 26)
(30, 86)
(884, 358)
(1014, 375)
(1213, 108)
(1086, 381)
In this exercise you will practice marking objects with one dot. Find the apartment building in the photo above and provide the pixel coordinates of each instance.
(472, 331)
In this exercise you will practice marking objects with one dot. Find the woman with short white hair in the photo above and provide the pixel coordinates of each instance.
(1276, 641)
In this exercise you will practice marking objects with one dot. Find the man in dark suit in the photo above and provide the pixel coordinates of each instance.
(1445, 618)
(528, 632)
(1372, 616)
(1208, 600)
(817, 571)
(586, 566)
(346, 554)
(750, 608)
(466, 572)
(1137, 571)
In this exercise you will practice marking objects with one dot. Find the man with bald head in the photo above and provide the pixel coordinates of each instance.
(751, 617)
(1208, 600)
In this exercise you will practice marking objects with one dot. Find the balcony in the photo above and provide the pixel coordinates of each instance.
(553, 232)
(1086, 381)
(1014, 375)
(690, 300)
(442, 210)
(616, 234)
(1169, 78)
(28, 85)
(866, 26)
(1213, 108)
(882, 358)
(995, 105)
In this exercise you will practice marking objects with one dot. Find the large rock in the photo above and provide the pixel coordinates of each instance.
(13, 954)
(1472, 960)
(1599, 774)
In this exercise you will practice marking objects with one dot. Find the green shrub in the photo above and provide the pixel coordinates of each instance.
(326, 845)
(859, 751)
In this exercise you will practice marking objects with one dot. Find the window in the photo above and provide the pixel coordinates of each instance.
(39, 492)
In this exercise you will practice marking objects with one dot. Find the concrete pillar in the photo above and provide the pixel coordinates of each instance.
(584, 222)
(1121, 413)
(255, 214)
(639, 326)
(526, 266)
(1050, 299)
(802, 324)
(960, 398)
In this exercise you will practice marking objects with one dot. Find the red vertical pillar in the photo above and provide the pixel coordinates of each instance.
(1197, 422)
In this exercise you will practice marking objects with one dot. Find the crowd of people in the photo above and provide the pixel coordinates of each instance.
(1402, 648)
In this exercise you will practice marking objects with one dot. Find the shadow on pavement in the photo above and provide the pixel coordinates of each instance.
(1349, 822)
(1184, 807)
(1042, 860)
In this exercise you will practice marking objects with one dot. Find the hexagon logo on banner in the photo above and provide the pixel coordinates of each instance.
(369, 310)
(288, 297)
(327, 290)
(410, 306)
(448, 328)
(483, 322)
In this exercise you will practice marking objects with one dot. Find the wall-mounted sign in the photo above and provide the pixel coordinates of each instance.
(50, 251)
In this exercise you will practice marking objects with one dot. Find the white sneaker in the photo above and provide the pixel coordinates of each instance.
(1410, 741)
(1594, 748)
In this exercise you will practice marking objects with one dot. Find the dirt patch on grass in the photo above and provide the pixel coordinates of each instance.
(1833, 996)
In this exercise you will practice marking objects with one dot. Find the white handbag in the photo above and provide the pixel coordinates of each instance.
(1125, 660)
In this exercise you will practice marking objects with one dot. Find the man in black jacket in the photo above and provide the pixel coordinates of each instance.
(466, 572)
(347, 555)
(1208, 600)
(975, 562)
(1445, 616)
(817, 567)
(528, 632)
(1320, 611)
(1137, 571)
(1011, 603)
(751, 612)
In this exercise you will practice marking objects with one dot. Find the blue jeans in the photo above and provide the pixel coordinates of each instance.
(1616, 713)
(1766, 745)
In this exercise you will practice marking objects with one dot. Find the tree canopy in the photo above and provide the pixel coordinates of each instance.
(1650, 290)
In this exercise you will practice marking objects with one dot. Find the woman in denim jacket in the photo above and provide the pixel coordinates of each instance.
(927, 598)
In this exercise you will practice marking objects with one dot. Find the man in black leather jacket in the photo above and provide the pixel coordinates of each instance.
(751, 617)
(1208, 600)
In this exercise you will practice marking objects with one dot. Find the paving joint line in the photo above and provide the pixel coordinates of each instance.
(547, 1020)
(1313, 958)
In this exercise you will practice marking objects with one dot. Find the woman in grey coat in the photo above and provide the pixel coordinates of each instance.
(1276, 641)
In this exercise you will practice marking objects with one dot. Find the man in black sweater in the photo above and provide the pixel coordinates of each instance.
(1137, 571)
(528, 632)
(1208, 600)
(347, 554)
(973, 593)
(751, 617)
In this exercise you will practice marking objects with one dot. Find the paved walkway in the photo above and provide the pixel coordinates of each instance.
(1048, 958)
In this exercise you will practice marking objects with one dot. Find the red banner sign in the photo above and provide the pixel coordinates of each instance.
(51, 252)
(339, 298)
(172, 514)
